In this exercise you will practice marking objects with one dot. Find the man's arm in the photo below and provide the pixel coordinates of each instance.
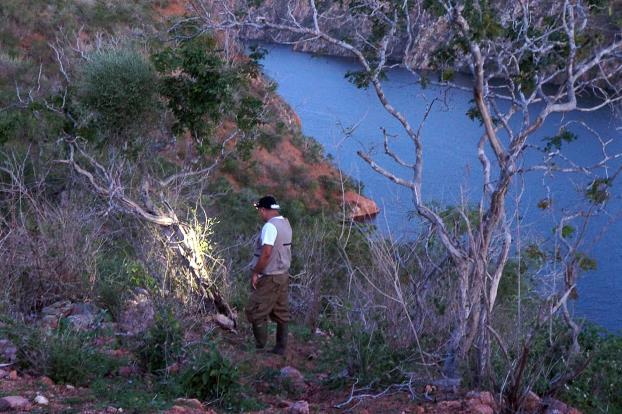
(266, 251)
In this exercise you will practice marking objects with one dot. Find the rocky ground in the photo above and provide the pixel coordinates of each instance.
(296, 383)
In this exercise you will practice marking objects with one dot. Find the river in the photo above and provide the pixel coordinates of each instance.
(344, 119)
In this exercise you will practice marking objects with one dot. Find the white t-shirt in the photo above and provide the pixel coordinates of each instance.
(268, 232)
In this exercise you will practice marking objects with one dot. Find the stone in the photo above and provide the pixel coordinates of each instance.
(531, 403)
(41, 400)
(292, 379)
(59, 309)
(360, 208)
(70, 387)
(224, 322)
(81, 322)
(8, 351)
(189, 402)
(84, 309)
(450, 406)
(46, 380)
(292, 374)
(174, 368)
(553, 406)
(49, 322)
(479, 408)
(14, 403)
(126, 371)
(138, 313)
(299, 407)
(481, 402)
(12, 375)
(180, 409)
(3, 373)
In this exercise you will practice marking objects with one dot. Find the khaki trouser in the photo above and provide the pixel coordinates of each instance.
(269, 299)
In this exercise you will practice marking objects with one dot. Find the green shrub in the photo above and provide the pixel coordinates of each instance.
(163, 342)
(64, 355)
(366, 356)
(597, 389)
(211, 376)
(117, 275)
(119, 87)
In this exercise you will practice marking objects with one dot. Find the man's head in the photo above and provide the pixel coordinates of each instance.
(267, 207)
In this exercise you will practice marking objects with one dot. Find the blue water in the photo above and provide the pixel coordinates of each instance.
(345, 119)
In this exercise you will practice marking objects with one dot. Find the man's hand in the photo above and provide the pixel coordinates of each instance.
(254, 279)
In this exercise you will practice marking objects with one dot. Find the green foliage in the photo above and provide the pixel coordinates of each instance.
(366, 356)
(269, 141)
(585, 262)
(533, 252)
(596, 390)
(555, 142)
(117, 275)
(598, 190)
(133, 396)
(65, 355)
(473, 113)
(312, 151)
(202, 88)
(566, 231)
(361, 78)
(119, 86)
(211, 376)
(545, 203)
(162, 344)
(454, 219)
(31, 124)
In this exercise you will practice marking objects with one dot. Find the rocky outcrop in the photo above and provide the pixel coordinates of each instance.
(359, 208)
(138, 313)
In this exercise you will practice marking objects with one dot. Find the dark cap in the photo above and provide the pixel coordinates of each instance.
(267, 202)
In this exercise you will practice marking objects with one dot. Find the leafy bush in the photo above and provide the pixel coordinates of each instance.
(163, 342)
(117, 275)
(65, 355)
(597, 389)
(120, 87)
(367, 356)
(202, 88)
(211, 376)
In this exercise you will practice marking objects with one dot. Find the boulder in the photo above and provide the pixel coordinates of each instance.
(553, 406)
(481, 402)
(531, 403)
(59, 309)
(14, 403)
(46, 380)
(299, 407)
(292, 374)
(224, 322)
(359, 207)
(81, 322)
(138, 313)
(41, 400)
(8, 351)
(291, 377)
(189, 402)
(49, 322)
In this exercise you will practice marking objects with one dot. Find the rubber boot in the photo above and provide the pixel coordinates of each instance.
(260, 332)
(281, 339)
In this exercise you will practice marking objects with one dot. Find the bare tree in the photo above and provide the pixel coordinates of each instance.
(534, 61)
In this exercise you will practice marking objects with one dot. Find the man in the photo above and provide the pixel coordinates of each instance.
(269, 276)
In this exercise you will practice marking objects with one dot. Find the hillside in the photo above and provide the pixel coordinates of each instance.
(132, 145)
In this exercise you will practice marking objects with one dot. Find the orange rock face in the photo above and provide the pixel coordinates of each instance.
(360, 208)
